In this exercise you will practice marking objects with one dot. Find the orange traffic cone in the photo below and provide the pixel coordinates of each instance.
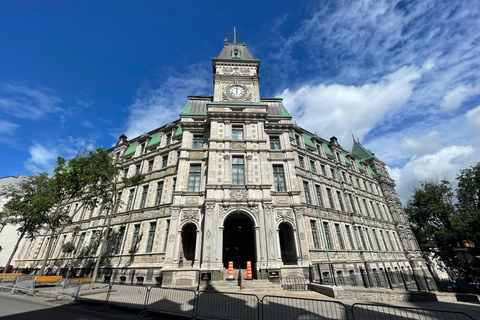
(230, 271)
(249, 270)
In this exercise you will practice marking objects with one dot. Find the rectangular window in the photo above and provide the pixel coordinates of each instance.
(130, 199)
(340, 201)
(238, 171)
(332, 171)
(383, 239)
(330, 198)
(137, 169)
(390, 241)
(119, 242)
(324, 171)
(369, 239)
(194, 178)
(167, 230)
(125, 172)
(136, 230)
(279, 178)
(306, 190)
(358, 183)
(339, 236)
(318, 193)
(375, 239)
(197, 142)
(379, 212)
(164, 161)
(313, 225)
(158, 197)
(362, 238)
(174, 184)
(237, 132)
(365, 207)
(142, 148)
(312, 166)
(150, 166)
(151, 236)
(275, 143)
(297, 140)
(117, 202)
(350, 238)
(301, 162)
(328, 238)
(169, 139)
(350, 198)
(80, 244)
(143, 200)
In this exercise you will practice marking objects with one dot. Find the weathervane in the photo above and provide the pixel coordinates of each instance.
(234, 35)
(226, 37)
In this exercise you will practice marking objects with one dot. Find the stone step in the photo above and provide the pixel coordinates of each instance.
(250, 286)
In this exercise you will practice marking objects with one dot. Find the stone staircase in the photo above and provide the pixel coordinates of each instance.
(251, 286)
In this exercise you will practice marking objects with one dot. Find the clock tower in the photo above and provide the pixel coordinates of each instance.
(235, 75)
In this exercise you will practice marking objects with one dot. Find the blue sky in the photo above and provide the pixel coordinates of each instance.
(403, 76)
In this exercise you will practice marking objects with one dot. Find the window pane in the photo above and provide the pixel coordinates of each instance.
(194, 178)
(238, 171)
(279, 178)
(237, 132)
(197, 142)
(274, 142)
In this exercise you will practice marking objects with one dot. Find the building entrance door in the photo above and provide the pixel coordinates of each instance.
(239, 241)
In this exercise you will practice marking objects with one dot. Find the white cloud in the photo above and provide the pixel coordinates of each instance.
(154, 107)
(444, 164)
(338, 109)
(27, 103)
(426, 144)
(87, 124)
(41, 158)
(454, 99)
(473, 118)
(7, 127)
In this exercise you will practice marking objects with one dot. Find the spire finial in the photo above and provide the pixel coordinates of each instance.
(226, 37)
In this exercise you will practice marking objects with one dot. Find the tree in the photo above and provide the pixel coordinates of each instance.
(430, 210)
(26, 208)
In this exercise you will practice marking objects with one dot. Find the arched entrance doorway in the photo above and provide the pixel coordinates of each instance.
(189, 242)
(239, 241)
(287, 243)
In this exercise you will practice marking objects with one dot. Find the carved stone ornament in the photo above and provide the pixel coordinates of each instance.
(171, 238)
(284, 215)
(208, 235)
(302, 236)
(191, 200)
(209, 208)
(238, 195)
(270, 234)
(174, 213)
(248, 157)
(197, 155)
(282, 200)
(238, 145)
(190, 215)
(276, 155)
(226, 156)
(267, 208)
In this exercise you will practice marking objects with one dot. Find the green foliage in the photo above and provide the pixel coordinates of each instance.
(442, 219)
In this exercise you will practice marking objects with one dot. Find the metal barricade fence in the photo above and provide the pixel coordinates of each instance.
(372, 312)
(127, 295)
(25, 284)
(62, 288)
(171, 300)
(7, 281)
(99, 293)
(279, 308)
(227, 305)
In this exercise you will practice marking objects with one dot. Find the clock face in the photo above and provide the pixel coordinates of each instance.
(236, 91)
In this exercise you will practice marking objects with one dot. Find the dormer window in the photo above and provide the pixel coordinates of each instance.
(236, 54)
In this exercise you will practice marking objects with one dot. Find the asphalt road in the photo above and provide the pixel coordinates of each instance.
(20, 307)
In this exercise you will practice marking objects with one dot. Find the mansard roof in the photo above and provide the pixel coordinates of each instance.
(243, 52)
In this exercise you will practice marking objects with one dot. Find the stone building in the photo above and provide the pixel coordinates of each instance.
(234, 179)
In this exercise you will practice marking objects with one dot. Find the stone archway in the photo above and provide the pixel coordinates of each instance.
(287, 244)
(239, 241)
(189, 243)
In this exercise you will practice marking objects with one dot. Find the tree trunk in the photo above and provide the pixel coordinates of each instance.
(102, 245)
(47, 253)
(14, 251)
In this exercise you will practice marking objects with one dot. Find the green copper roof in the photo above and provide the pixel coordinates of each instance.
(372, 172)
(187, 108)
(179, 132)
(290, 134)
(308, 140)
(328, 151)
(346, 159)
(361, 152)
(156, 138)
(359, 165)
(131, 149)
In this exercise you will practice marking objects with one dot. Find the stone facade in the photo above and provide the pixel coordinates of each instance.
(235, 180)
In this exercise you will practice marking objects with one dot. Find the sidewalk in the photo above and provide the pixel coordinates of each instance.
(470, 308)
